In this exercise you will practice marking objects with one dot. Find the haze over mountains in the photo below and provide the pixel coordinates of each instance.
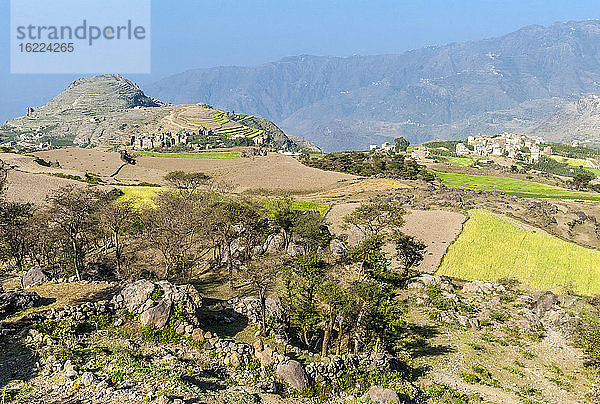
(537, 80)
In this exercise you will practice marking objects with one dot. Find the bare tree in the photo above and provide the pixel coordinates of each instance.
(376, 217)
(175, 228)
(74, 211)
(116, 218)
(262, 275)
(15, 221)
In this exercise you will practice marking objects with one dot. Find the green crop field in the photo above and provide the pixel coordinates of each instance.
(455, 161)
(512, 186)
(220, 155)
(576, 163)
(491, 248)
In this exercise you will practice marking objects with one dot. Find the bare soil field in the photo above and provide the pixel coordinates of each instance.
(34, 188)
(79, 160)
(437, 228)
(274, 172)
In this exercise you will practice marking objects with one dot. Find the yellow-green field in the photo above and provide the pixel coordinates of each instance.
(142, 197)
(491, 248)
(455, 161)
(219, 155)
(513, 186)
(576, 163)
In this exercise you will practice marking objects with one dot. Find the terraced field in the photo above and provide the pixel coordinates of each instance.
(491, 247)
(513, 186)
(217, 121)
(576, 163)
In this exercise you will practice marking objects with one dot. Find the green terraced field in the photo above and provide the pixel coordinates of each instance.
(221, 155)
(576, 163)
(491, 248)
(512, 186)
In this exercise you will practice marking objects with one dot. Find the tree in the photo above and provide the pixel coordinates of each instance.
(401, 144)
(15, 225)
(175, 227)
(302, 282)
(312, 228)
(409, 250)
(73, 211)
(117, 217)
(187, 184)
(582, 180)
(376, 217)
(262, 275)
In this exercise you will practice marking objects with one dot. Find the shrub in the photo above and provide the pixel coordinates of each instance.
(165, 336)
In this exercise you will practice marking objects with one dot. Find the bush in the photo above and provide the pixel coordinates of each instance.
(65, 328)
(165, 336)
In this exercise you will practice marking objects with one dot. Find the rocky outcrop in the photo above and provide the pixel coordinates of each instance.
(426, 280)
(250, 307)
(338, 248)
(33, 277)
(15, 301)
(483, 288)
(293, 374)
(154, 301)
(378, 394)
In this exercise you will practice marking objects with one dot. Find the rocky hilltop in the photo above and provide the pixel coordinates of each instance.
(108, 110)
(513, 82)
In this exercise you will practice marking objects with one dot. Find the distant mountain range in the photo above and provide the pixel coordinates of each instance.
(537, 80)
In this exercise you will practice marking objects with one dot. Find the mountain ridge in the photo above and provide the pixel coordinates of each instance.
(335, 102)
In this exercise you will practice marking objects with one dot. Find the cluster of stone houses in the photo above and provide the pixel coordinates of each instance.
(161, 140)
(507, 144)
(386, 146)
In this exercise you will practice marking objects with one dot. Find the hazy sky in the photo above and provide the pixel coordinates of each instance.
(195, 33)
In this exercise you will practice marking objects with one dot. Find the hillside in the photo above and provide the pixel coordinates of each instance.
(514, 82)
(107, 110)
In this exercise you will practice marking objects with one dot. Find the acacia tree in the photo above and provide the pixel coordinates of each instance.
(74, 212)
(262, 275)
(187, 184)
(117, 217)
(376, 217)
(409, 250)
(174, 227)
(15, 222)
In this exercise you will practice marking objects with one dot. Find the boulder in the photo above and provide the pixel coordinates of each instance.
(157, 315)
(155, 300)
(544, 302)
(293, 374)
(425, 280)
(378, 394)
(338, 248)
(33, 277)
(295, 249)
(136, 294)
(274, 243)
(15, 301)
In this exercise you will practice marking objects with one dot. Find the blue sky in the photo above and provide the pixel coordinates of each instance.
(189, 34)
